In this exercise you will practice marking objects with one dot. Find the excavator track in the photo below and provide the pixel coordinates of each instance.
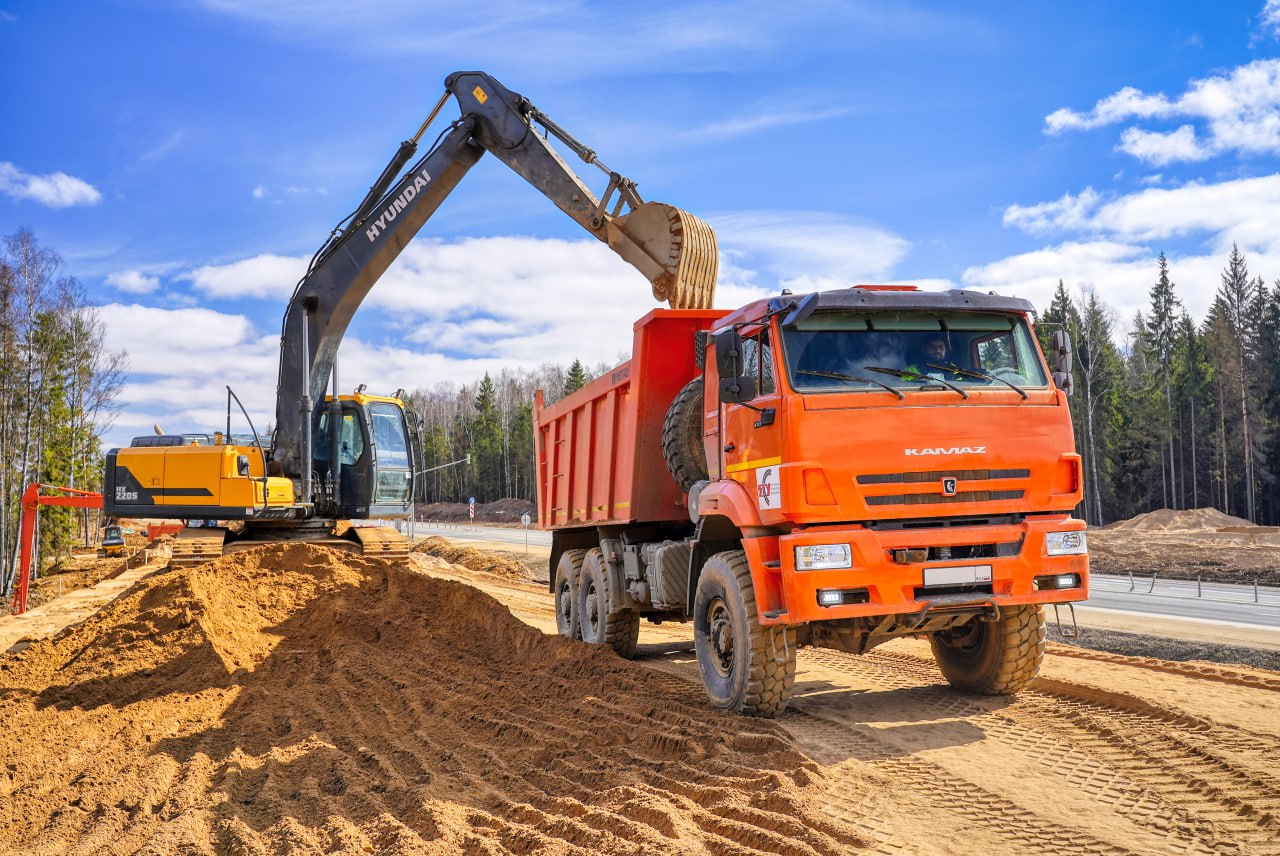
(193, 547)
(382, 542)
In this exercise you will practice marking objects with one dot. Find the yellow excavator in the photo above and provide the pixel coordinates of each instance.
(337, 457)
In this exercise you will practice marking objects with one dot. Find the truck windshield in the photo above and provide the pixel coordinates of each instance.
(843, 351)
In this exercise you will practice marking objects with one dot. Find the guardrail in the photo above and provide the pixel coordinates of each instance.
(1181, 588)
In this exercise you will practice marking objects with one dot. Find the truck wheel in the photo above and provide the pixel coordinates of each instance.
(682, 447)
(619, 630)
(746, 668)
(993, 657)
(568, 572)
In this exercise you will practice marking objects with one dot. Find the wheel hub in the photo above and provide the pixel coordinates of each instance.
(720, 632)
(592, 616)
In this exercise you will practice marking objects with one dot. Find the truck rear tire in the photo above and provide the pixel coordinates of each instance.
(619, 630)
(745, 667)
(993, 657)
(568, 572)
(682, 447)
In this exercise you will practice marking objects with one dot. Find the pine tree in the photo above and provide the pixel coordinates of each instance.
(575, 378)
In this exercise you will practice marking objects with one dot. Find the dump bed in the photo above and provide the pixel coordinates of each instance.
(599, 450)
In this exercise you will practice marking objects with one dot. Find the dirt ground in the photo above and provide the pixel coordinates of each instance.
(296, 700)
(1195, 543)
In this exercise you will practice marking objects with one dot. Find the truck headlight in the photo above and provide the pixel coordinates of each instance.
(1066, 544)
(824, 557)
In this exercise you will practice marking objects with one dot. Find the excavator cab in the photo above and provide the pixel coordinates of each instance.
(377, 452)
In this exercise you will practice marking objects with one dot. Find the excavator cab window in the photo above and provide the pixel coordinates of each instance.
(350, 439)
(389, 435)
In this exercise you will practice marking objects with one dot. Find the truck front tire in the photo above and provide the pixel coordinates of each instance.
(568, 572)
(993, 657)
(619, 630)
(745, 667)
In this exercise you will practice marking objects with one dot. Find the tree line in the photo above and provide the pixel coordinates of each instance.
(1180, 413)
(57, 384)
(492, 422)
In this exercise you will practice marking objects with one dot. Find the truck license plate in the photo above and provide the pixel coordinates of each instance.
(958, 575)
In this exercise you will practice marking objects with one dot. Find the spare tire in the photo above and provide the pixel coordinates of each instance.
(682, 437)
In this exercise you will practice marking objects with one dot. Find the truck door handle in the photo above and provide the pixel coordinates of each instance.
(729, 447)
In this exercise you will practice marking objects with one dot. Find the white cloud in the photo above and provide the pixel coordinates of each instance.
(1246, 211)
(1128, 103)
(1240, 110)
(56, 190)
(1069, 212)
(1121, 273)
(133, 282)
(804, 250)
(760, 120)
(1160, 149)
(1269, 18)
(268, 276)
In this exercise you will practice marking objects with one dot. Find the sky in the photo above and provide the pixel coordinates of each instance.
(186, 158)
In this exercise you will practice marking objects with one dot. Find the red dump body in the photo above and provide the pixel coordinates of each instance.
(600, 451)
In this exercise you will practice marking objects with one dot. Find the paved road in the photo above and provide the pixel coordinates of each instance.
(463, 532)
(1231, 604)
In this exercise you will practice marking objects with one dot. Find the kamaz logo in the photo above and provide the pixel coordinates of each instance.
(123, 494)
(398, 204)
(947, 450)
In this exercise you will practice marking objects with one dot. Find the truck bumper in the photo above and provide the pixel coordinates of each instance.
(1003, 564)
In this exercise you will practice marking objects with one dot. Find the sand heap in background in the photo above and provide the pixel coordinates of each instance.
(298, 699)
(1192, 519)
(471, 558)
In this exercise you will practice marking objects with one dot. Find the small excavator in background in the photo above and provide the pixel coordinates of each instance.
(336, 457)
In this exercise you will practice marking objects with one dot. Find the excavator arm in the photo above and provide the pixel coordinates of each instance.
(674, 250)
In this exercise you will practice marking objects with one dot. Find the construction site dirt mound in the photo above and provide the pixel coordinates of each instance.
(504, 511)
(1191, 519)
(297, 699)
(469, 557)
(1197, 543)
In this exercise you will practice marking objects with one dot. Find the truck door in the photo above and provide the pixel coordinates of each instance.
(751, 439)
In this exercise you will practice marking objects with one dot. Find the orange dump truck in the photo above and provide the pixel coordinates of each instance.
(868, 463)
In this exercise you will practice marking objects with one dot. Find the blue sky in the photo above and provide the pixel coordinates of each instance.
(186, 157)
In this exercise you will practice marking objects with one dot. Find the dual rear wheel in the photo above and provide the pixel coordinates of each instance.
(583, 608)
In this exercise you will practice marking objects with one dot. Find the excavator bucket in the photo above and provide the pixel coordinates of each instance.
(674, 249)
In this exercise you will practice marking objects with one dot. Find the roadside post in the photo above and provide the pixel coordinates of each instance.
(525, 520)
(471, 509)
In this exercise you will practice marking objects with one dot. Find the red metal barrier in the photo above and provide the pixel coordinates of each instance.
(32, 499)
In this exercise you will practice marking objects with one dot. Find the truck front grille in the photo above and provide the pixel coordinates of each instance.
(930, 498)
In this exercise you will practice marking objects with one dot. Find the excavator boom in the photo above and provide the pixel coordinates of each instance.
(675, 250)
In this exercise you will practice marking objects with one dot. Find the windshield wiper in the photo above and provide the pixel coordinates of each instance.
(857, 378)
(955, 369)
(905, 374)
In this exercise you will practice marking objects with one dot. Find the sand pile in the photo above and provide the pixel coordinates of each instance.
(295, 699)
(1192, 519)
(471, 558)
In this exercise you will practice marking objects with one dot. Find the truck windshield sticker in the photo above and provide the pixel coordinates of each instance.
(768, 488)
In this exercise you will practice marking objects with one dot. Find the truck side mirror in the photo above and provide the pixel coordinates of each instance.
(1060, 345)
(1065, 382)
(735, 386)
